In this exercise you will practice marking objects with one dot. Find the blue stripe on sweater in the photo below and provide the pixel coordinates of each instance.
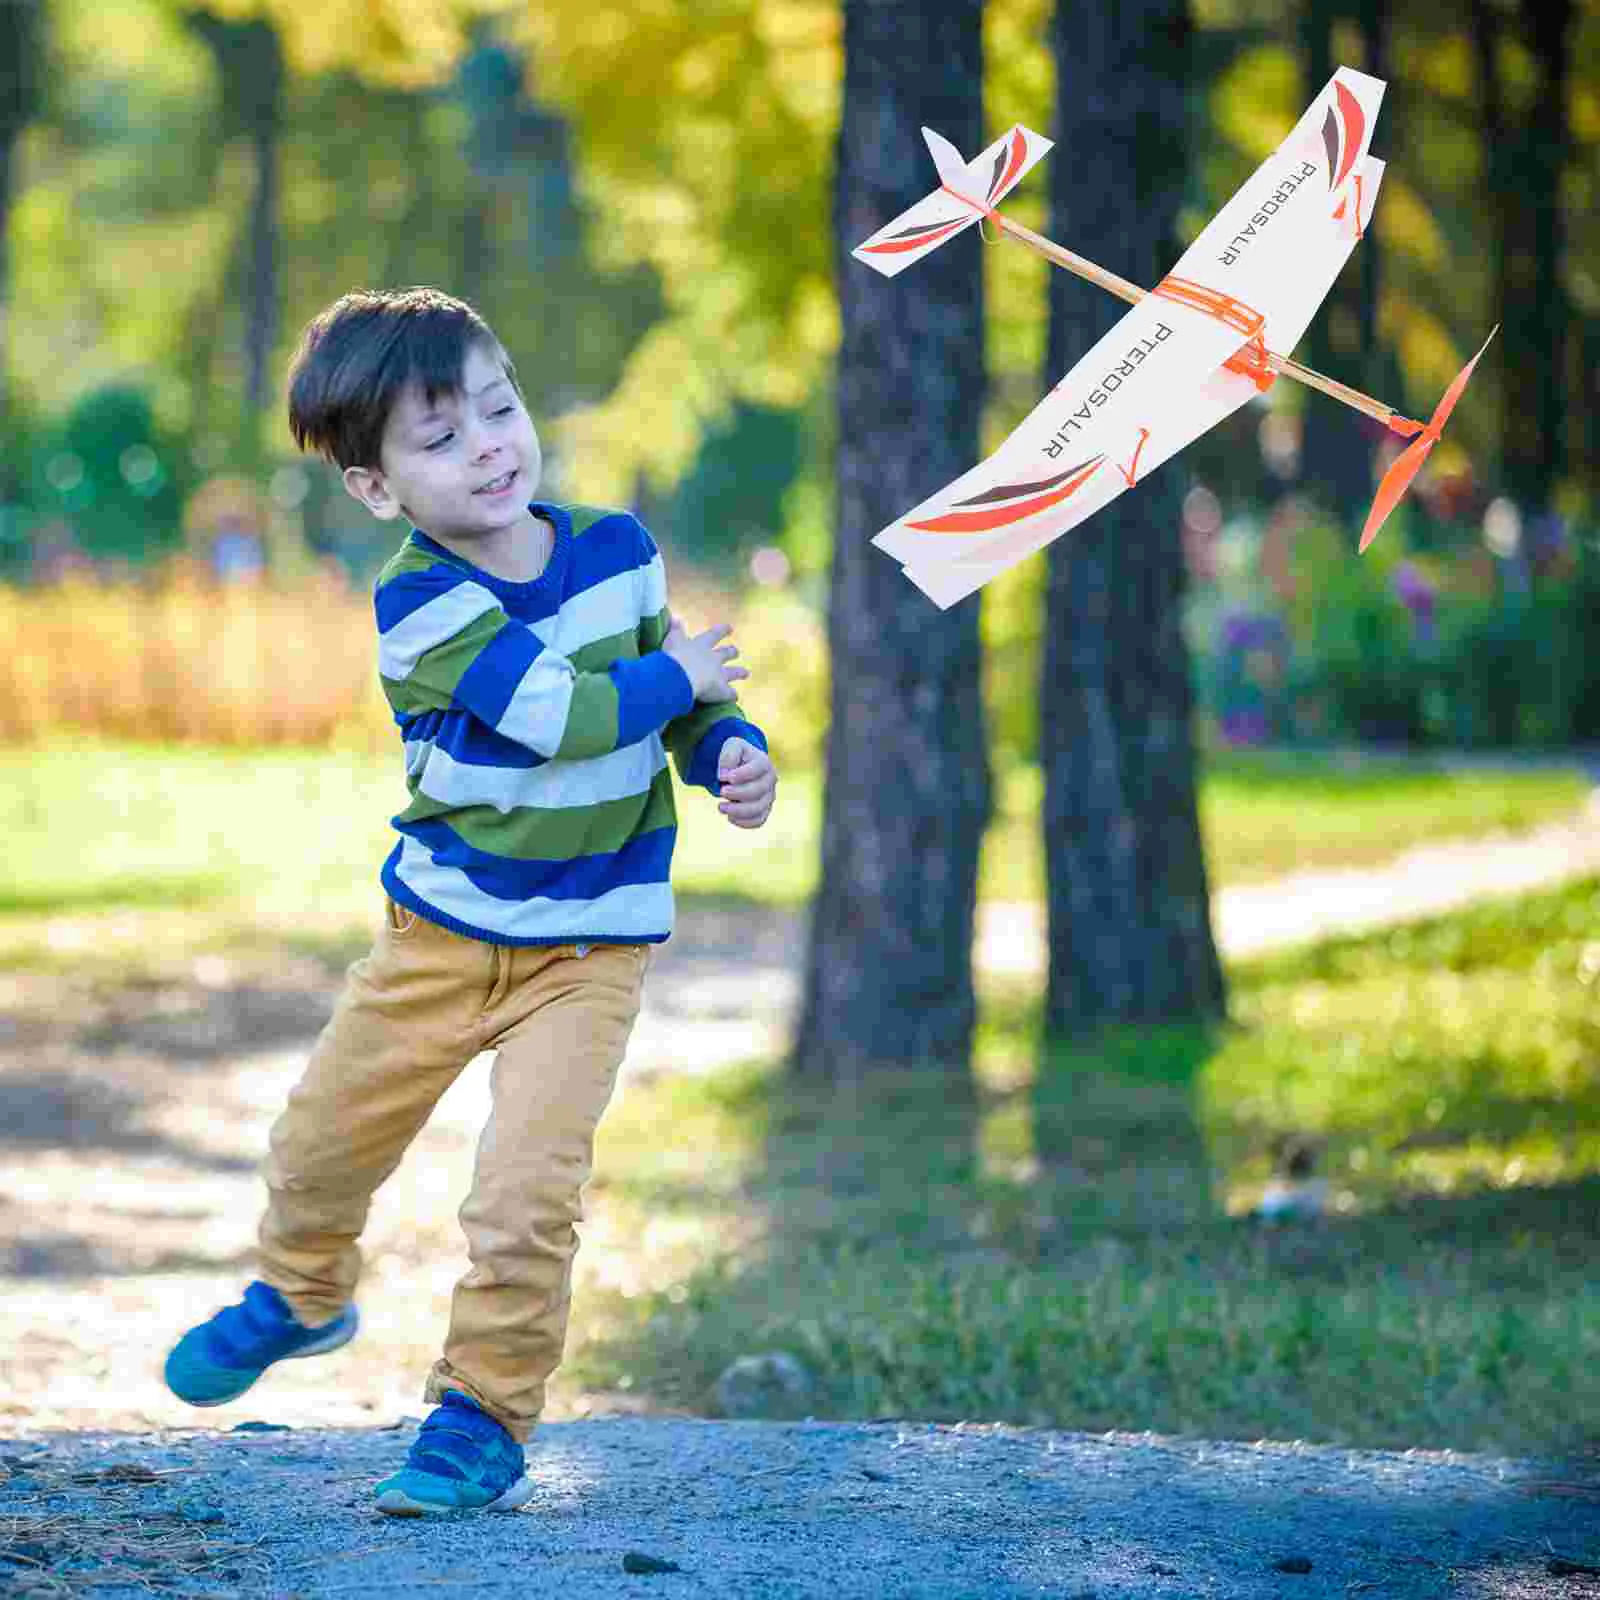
(646, 858)
(609, 545)
(702, 771)
(467, 741)
(650, 691)
(486, 687)
(411, 591)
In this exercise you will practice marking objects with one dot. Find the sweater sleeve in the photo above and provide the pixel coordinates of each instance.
(694, 737)
(445, 641)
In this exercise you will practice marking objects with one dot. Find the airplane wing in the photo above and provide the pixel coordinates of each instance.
(966, 188)
(1074, 436)
(1256, 274)
(1295, 302)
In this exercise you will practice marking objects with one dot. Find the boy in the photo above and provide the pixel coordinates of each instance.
(538, 681)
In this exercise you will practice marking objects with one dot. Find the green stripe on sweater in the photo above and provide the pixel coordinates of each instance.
(537, 833)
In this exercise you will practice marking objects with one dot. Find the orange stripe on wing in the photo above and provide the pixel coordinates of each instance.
(897, 246)
(1004, 516)
(1355, 124)
(1019, 153)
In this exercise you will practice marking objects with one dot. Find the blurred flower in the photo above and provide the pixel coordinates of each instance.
(57, 554)
(1244, 727)
(1451, 497)
(1502, 527)
(769, 566)
(1417, 595)
(1279, 438)
(1549, 546)
(1263, 668)
(1243, 631)
(1277, 546)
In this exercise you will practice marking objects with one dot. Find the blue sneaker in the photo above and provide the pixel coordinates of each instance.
(217, 1361)
(460, 1460)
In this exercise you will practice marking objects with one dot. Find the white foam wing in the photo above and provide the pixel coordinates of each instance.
(1060, 458)
(937, 217)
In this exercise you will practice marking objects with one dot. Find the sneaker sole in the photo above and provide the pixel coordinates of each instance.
(331, 1341)
(397, 1503)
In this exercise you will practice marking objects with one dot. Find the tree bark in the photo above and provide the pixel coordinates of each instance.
(1526, 150)
(888, 973)
(21, 31)
(1536, 457)
(250, 67)
(263, 329)
(1130, 930)
(1336, 457)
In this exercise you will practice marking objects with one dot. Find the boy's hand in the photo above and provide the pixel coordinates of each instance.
(749, 783)
(705, 661)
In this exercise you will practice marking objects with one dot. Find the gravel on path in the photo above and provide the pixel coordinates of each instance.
(798, 1511)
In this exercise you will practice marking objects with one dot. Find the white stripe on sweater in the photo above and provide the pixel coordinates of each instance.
(653, 588)
(609, 607)
(536, 715)
(401, 647)
(619, 775)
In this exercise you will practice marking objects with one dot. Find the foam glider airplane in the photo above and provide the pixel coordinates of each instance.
(1214, 333)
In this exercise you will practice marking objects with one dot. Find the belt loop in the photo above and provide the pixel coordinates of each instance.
(500, 976)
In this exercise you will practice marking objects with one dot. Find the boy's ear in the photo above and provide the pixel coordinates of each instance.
(368, 486)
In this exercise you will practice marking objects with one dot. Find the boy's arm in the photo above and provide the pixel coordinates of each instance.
(444, 641)
(695, 738)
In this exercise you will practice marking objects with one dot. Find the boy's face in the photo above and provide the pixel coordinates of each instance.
(437, 461)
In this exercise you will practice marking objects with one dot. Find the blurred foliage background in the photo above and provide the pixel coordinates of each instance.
(638, 198)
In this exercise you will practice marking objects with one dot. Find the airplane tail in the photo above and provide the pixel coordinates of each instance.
(968, 191)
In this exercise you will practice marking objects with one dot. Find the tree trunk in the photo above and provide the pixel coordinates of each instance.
(1526, 154)
(21, 29)
(1130, 930)
(1336, 457)
(264, 244)
(1536, 424)
(888, 974)
(1380, 369)
(250, 67)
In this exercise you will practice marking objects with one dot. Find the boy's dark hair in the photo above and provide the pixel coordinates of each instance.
(355, 358)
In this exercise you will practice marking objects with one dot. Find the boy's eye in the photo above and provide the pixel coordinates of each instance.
(444, 438)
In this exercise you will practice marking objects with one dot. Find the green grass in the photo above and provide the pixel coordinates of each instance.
(1066, 1245)
(1062, 1244)
(273, 836)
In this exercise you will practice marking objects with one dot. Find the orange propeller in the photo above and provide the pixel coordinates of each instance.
(1409, 462)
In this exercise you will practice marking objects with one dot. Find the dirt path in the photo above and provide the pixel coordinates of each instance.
(1423, 882)
(811, 1511)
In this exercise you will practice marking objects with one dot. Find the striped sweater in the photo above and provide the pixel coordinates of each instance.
(537, 718)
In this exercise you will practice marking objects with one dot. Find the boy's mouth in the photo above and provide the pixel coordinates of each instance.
(499, 485)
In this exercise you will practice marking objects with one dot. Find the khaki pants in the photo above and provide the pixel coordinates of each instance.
(413, 1013)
